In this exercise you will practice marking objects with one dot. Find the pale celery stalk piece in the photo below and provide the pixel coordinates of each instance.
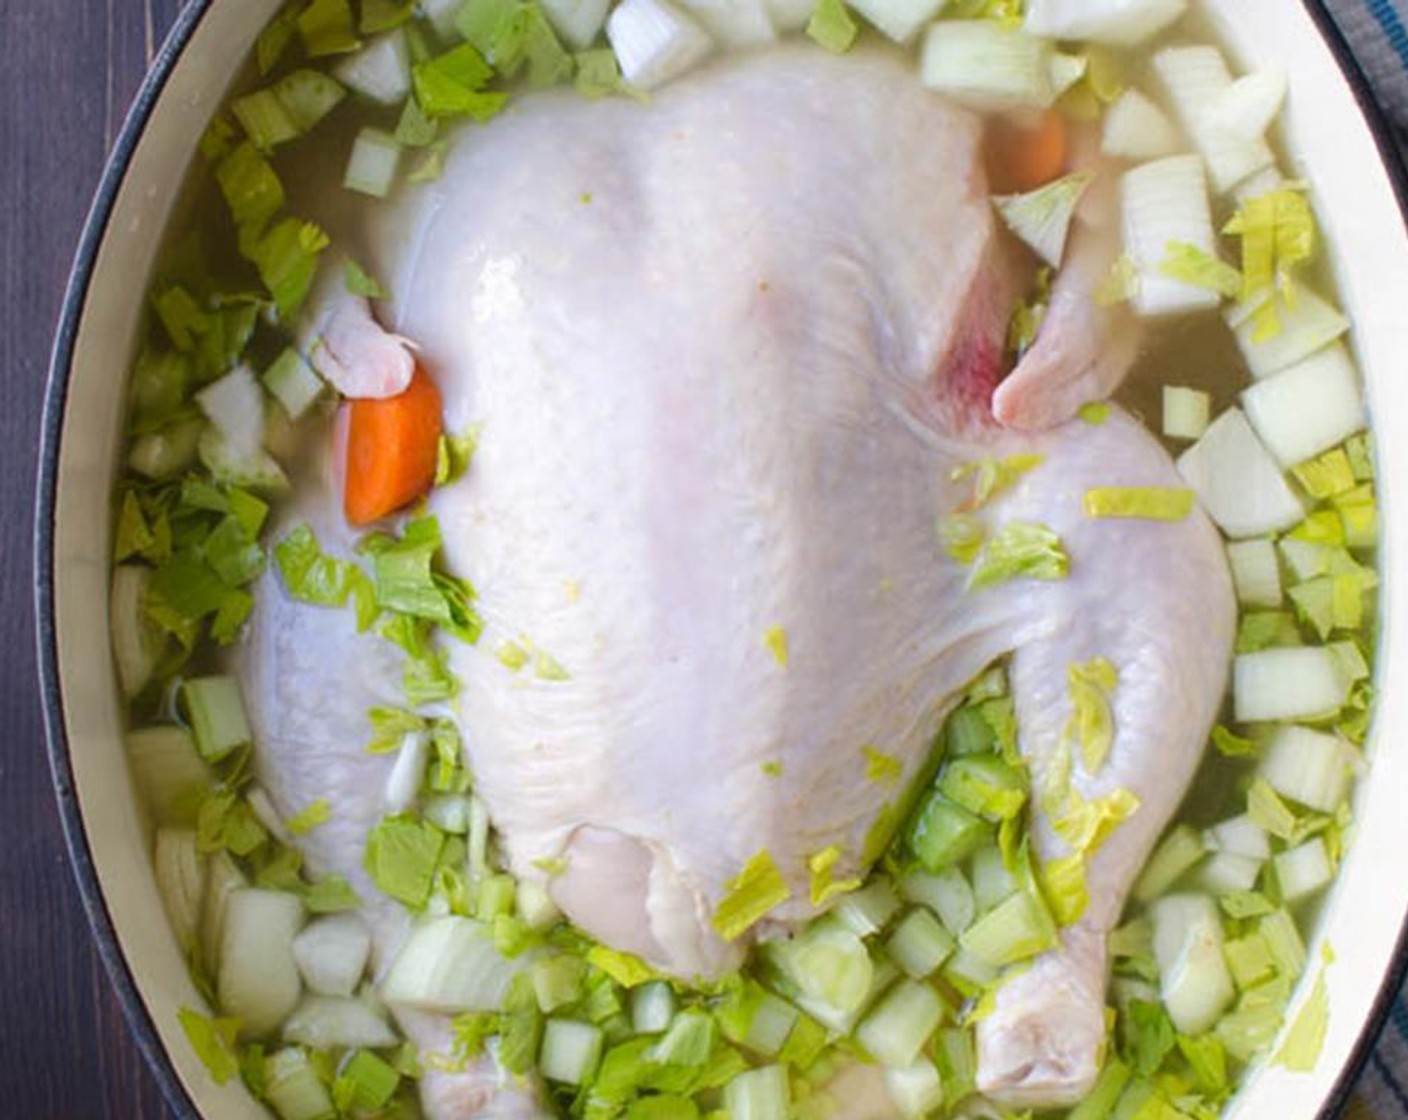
(1198, 82)
(1162, 203)
(919, 944)
(1116, 23)
(332, 954)
(652, 1007)
(896, 1030)
(337, 1022)
(986, 65)
(1308, 408)
(535, 906)
(1237, 481)
(1178, 853)
(570, 1051)
(759, 1094)
(262, 806)
(293, 1087)
(869, 909)
(1313, 768)
(948, 894)
(1195, 983)
(992, 882)
(1136, 129)
(258, 980)
(1308, 323)
(179, 867)
(655, 42)
(1287, 684)
(1187, 412)
(217, 715)
(1256, 572)
(916, 1090)
(1227, 872)
(224, 877)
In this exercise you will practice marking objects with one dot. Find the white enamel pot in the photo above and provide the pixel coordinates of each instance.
(1336, 142)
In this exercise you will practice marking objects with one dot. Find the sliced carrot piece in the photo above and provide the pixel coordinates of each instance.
(1024, 155)
(392, 447)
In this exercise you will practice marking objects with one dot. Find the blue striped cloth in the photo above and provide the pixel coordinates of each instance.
(1377, 32)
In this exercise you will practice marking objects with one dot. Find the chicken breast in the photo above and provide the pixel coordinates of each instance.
(724, 352)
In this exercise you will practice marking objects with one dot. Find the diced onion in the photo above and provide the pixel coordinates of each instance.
(1137, 129)
(327, 1022)
(1308, 408)
(986, 65)
(332, 953)
(136, 644)
(916, 1090)
(898, 19)
(570, 1051)
(1293, 683)
(1162, 203)
(733, 24)
(1119, 23)
(1186, 412)
(1195, 983)
(579, 22)
(381, 71)
(448, 964)
(1256, 572)
(1304, 869)
(258, 981)
(1310, 767)
(655, 42)
(372, 166)
(1198, 81)
(1237, 480)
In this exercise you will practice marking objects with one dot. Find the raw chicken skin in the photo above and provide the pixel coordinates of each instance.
(723, 352)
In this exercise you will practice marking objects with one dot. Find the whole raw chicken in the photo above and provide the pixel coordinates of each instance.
(723, 352)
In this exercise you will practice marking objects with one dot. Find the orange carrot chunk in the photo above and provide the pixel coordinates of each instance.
(392, 447)
(1024, 155)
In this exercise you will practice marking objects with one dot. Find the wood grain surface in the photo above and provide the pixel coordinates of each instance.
(68, 70)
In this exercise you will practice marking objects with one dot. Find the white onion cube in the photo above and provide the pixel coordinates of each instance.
(1237, 480)
(1308, 408)
(734, 24)
(1137, 129)
(1119, 23)
(655, 42)
(1300, 682)
(579, 22)
(1162, 203)
(898, 19)
(1256, 572)
(1198, 82)
(1310, 767)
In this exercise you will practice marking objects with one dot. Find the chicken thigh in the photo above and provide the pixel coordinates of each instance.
(723, 352)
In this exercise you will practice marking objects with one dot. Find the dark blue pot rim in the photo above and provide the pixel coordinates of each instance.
(56, 398)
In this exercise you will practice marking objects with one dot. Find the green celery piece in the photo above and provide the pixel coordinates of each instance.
(308, 96)
(226, 821)
(401, 856)
(1016, 929)
(361, 283)
(832, 26)
(1207, 1058)
(1201, 269)
(1328, 476)
(415, 129)
(232, 555)
(454, 456)
(310, 817)
(366, 1083)
(251, 188)
(1020, 549)
(181, 315)
(327, 28)
(688, 1042)
(1092, 722)
(1300, 1050)
(985, 786)
(312, 576)
(1100, 1102)
(275, 38)
(133, 537)
(329, 895)
(598, 74)
(385, 15)
(1179, 851)
(758, 890)
(159, 383)
(1149, 503)
(1258, 630)
(287, 259)
(213, 1041)
(942, 833)
(1149, 1035)
(265, 119)
(968, 731)
(1277, 231)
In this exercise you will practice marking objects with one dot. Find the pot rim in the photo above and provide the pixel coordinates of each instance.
(80, 280)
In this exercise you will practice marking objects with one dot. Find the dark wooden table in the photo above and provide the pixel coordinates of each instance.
(68, 69)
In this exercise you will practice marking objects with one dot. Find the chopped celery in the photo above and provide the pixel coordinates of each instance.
(759, 1094)
(365, 1085)
(1240, 836)
(401, 856)
(1020, 549)
(941, 833)
(292, 382)
(213, 1041)
(919, 944)
(223, 878)
(896, 1030)
(832, 27)
(1300, 1050)
(372, 166)
(1328, 476)
(1092, 723)
(1101, 1100)
(916, 1090)
(1278, 929)
(758, 890)
(294, 1089)
(868, 910)
(1014, 930)
(136, 644)
(217, 716)
(756, 1019)
(985, 786)
(1227, 873)
(993, 880)
(265, 119)
(308, 96)
(1178, 853)
(823, 885)
(688, 1041)
(652, 1007)
(946, 893)
(828, 964)
(1249, 960)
